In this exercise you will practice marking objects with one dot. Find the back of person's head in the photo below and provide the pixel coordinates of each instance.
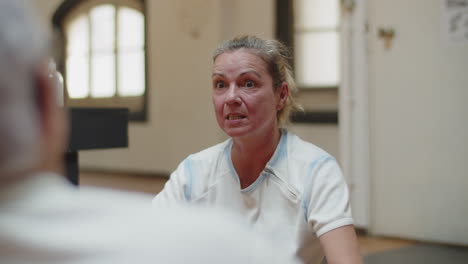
(23, 47)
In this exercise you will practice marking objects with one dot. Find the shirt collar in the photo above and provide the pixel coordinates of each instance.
(274, 165)
(279, 158)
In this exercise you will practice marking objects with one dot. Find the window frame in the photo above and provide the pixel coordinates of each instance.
(285, 33)
(70, 8)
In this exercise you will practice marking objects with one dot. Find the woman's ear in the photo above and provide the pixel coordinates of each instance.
(283, 93)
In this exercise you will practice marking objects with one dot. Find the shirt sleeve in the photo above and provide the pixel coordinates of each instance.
(327, 207)
(177, 189)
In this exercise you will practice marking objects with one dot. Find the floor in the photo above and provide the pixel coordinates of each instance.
(421, 253)
(151, 184)
(375, 249)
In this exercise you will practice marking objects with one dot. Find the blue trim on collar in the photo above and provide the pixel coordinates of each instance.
(280, 151)
(227, 154)
(257, 182)
(307, 191)
(188, 188)
(279, 154)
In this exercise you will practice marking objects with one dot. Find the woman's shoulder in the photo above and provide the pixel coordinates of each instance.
(204, 161)
(304, 151)
(306, 162)
(210, 153)
(200, 170)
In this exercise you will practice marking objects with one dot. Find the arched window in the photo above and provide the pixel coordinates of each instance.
(104, 54)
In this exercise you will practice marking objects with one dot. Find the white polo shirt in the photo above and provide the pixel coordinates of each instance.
(300, 195)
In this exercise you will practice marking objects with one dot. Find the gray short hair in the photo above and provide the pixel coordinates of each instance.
(276, 56)
(24, 44)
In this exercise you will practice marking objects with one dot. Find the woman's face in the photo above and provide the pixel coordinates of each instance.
(243, 96)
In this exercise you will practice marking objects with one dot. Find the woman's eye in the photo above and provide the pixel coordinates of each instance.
(219, 84)
(249, 84)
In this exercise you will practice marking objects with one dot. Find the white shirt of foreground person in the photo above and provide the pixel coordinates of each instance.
(300, 195)
(45, 220)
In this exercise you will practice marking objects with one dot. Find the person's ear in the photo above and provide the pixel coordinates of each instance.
(45, 93)
(52, 119)
(283, 93)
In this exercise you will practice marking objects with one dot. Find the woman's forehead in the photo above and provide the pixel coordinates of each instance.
(240, 59)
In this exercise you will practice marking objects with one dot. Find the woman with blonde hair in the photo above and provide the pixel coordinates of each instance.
(282, 185)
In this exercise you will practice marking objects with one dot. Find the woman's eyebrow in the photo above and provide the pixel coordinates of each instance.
(217, 74)
(252, 72)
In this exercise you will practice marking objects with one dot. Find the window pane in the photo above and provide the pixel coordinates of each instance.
(316, 58)
(102, 27)
(77, 76)
(131, 29)
(103, 75)
(77, 62)
(316, 13)
(131, 73)
(78, 36)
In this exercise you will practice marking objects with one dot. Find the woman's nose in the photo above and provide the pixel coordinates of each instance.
(232, 96)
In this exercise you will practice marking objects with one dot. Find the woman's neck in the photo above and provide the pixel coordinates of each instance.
(250, 155)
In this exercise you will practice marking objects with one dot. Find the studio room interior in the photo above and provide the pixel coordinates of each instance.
(382, 85)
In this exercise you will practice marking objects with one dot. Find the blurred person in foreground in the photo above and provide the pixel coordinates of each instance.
(43, 219)
(286, 187)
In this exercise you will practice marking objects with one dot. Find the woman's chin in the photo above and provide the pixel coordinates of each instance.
(236, 132)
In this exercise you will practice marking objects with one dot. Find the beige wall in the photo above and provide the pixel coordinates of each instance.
(180, 112)
(419, 125)
(181, 119)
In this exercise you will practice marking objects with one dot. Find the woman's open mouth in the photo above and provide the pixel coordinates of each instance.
(235, 117)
